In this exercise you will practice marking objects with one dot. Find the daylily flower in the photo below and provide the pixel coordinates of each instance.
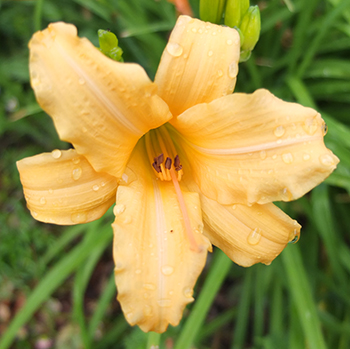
(190, 163)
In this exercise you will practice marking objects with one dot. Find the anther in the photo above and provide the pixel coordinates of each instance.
(168, 163)
(177, 164)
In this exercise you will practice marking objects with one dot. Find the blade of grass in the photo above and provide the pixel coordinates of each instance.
(81, 280)
(241, 327)
(54, 278)
(107, 295)
(300, 292)
(216, 276)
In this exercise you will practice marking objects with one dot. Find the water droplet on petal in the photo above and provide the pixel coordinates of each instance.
(95, 187)
(229, 42)
(327, 160)
(81, 81)
(167, 270)
(310, 125)
(56, 154)
(150, 287)
(220, 73)
(194, 30)
(42, 201)
(147, 310)
(234, 207)
(324, 129)
(287, 158)
(119, 266)
(254, 236)
(306, 157)
(188, 292)
(294, 236)
(263, 155)
(76, 173)
(34, 214)
(129, 316)
(164, 303)
(174, 49)
(233, 70)
(138, 271)
(127, 220)
(78, 217)
(210, 53)
(76, 160)
(279, 131)
(50, 191)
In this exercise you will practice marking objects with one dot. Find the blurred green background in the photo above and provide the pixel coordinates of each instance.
(56, 283)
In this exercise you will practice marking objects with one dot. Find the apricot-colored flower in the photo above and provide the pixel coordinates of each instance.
(190, 163)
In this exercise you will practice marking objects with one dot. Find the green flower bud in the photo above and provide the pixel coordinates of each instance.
(211, 10)
(250, 27)
(109, 45)
(235, 10)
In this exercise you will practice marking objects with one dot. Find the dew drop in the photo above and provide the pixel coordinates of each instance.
(254, 237)
(42, 201)
(118, 209)
(147, 310)
(327, 160)
(233, 70)
(310, 125)
(263, 155)
(229, 42)
(174, 49)
(324, 129)
(220, 73)
(127, 220)
(210, 53)
(213, 33)
(78, 217)
(146, 295)
(129, 316)
(194, 30)
(50, 191)
(164, 303)
(95, 187)
(76, 174)
(119, 266)
(274, 156)
(306, 157)
(287, 158)
(76, 161)
(167, 270)
(294, 237)
(84, 129)
(150, 287)
(81, 81)
(56, 154)
(138, 271)
(34, 214)
(279, 131)
(188, 292)
(234, 207)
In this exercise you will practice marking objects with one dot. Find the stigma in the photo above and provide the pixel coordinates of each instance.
(162, 154)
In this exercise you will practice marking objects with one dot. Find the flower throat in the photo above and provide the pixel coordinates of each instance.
(167, 167)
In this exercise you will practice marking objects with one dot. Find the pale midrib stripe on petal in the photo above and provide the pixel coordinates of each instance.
(255, 148)
(161, 246)
(99, 95)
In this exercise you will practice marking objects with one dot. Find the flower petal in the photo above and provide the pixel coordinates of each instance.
(199, 64)
(62, 188)
(255, 148)
(155, 269)
(248, 235)
(100, 106)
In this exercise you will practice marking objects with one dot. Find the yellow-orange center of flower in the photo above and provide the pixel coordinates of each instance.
(166, 165)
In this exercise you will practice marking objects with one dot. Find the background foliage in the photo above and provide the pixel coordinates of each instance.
(56, 286)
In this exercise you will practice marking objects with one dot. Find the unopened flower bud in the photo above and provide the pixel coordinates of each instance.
(235, 10)
(109, 45)
(211, 10)
(250, 27)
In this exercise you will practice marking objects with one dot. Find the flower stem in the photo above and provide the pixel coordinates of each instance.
(153, 340)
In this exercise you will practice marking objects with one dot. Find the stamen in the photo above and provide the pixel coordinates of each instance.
(168, 163)
(193, 244)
